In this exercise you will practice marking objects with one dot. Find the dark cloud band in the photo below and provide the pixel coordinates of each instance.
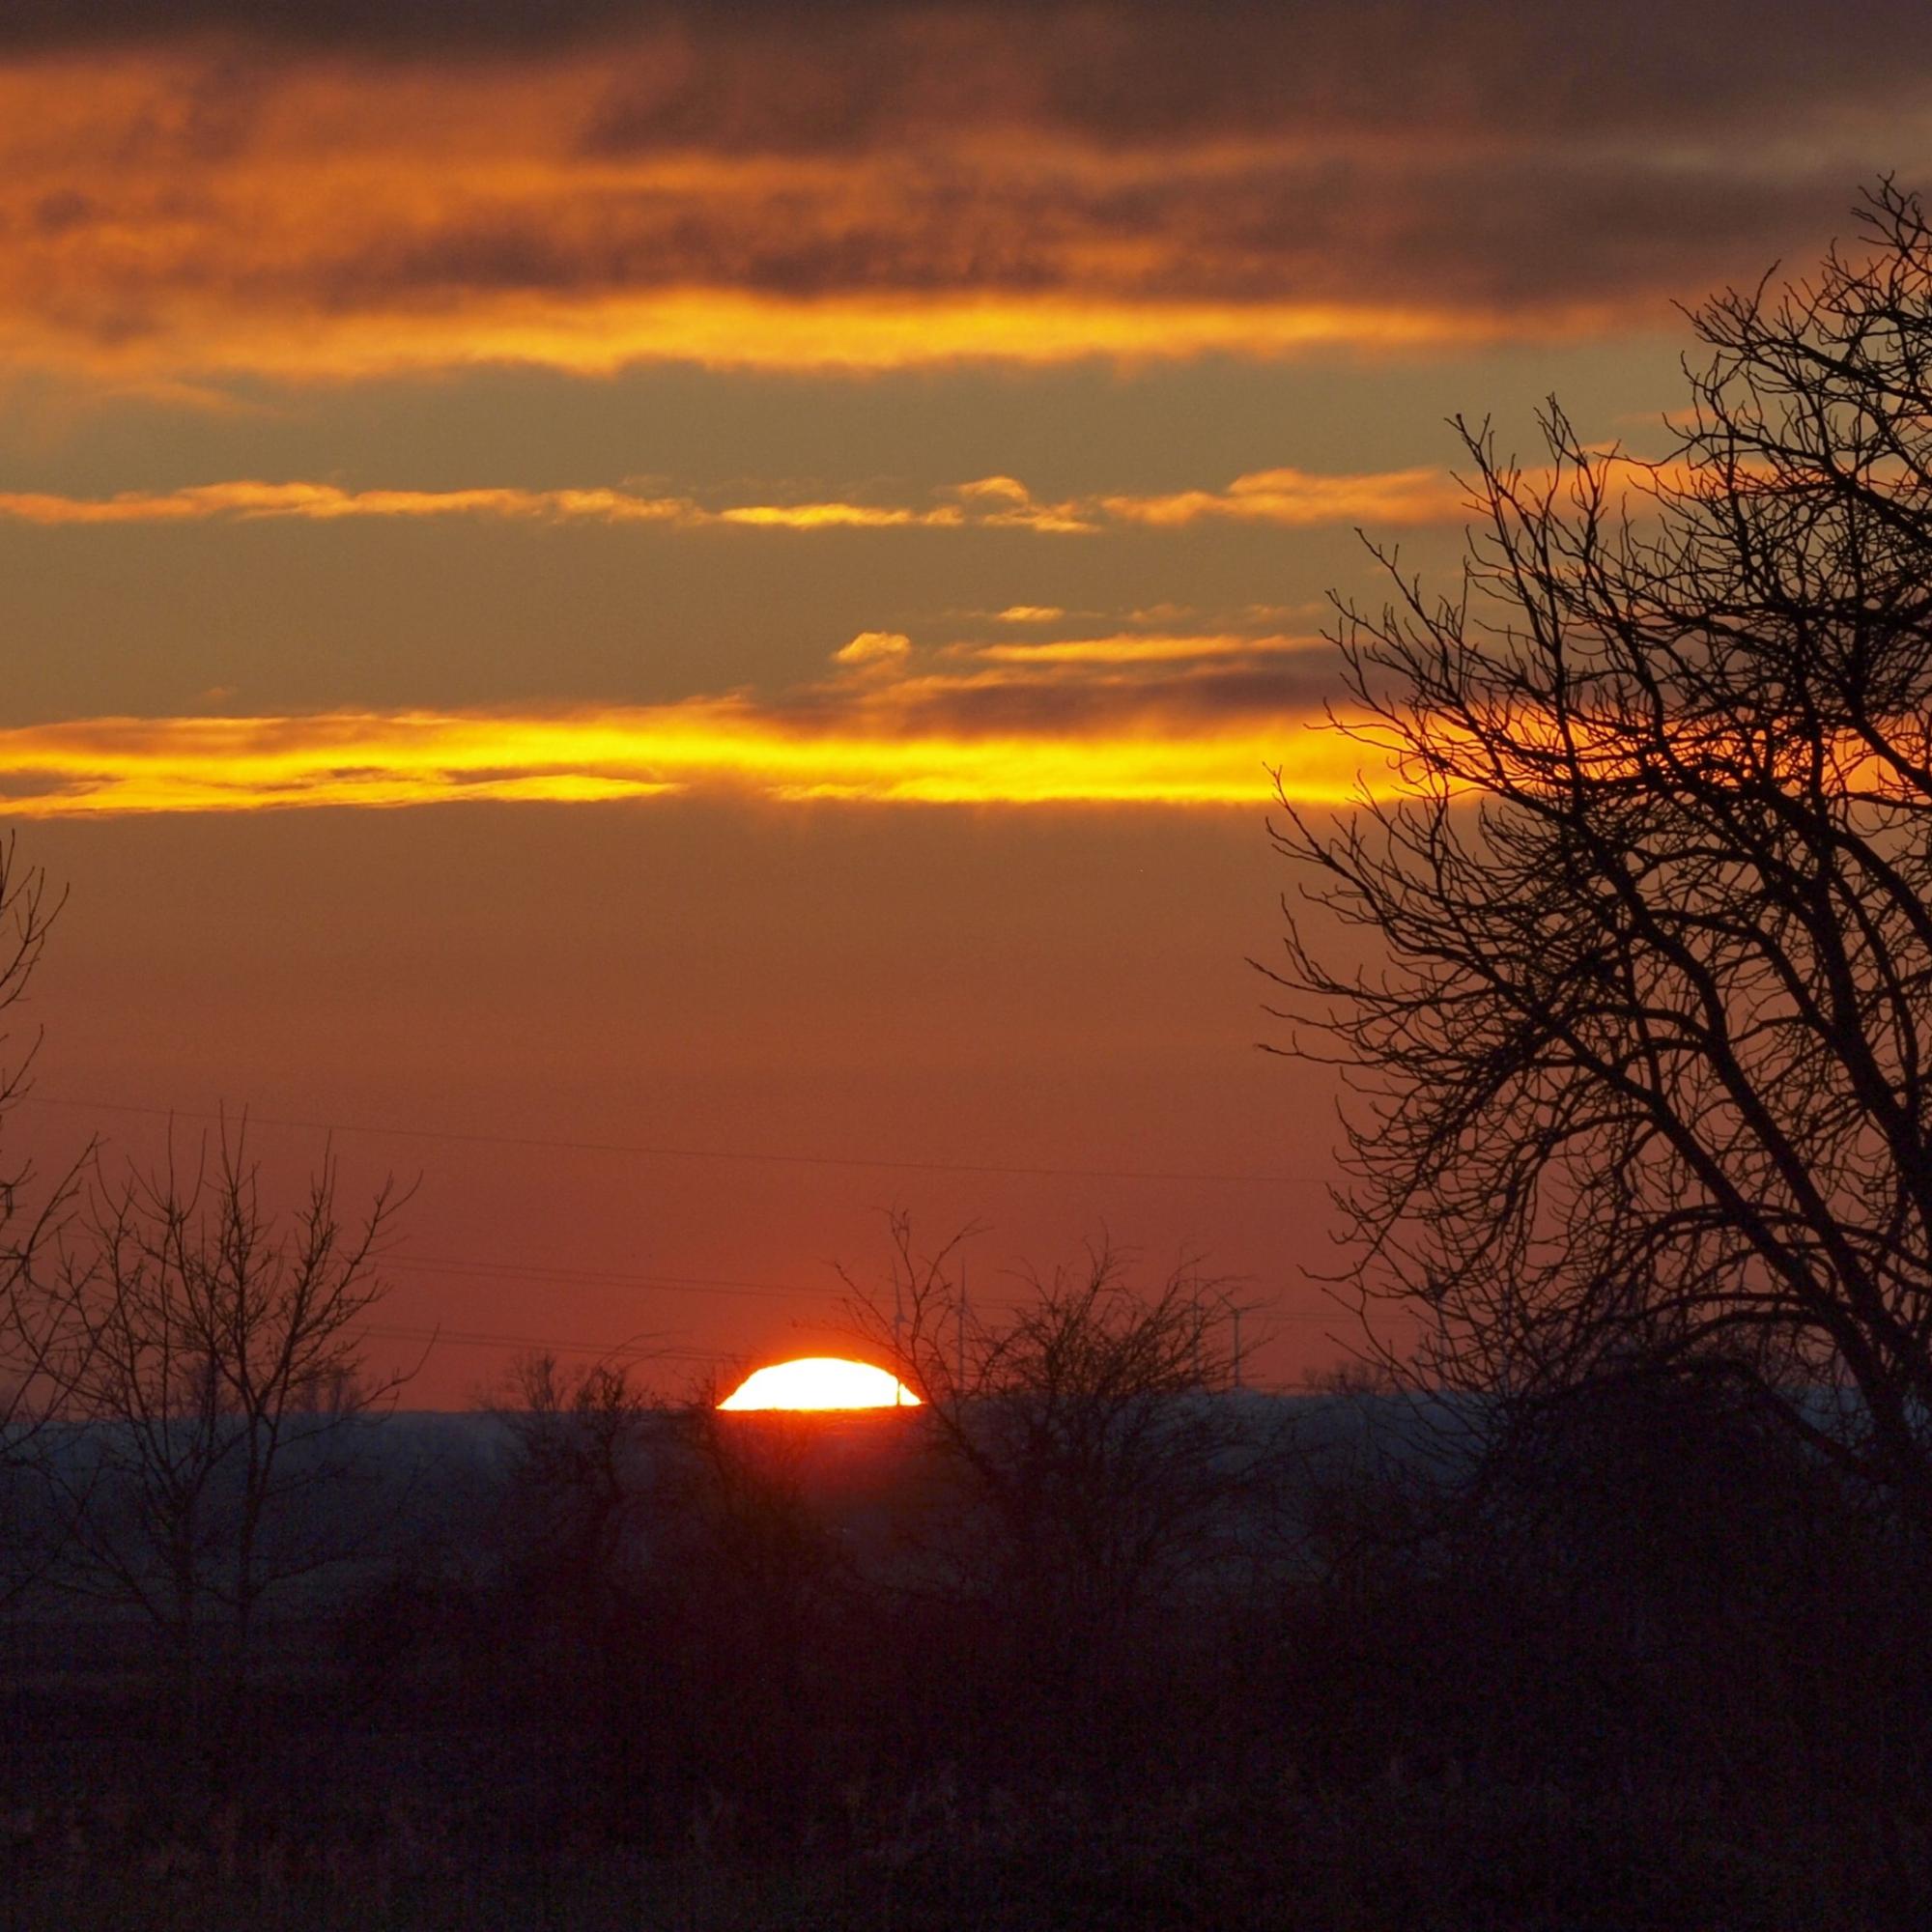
(804, 74)
(1404, 171)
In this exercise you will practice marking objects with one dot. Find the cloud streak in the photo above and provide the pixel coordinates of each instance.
(1283, 497)
(1127, 648)
(1170, 722)
(108, 766)
(1296, 500)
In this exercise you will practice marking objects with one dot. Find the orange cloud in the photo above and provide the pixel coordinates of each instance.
(1284, 496)
(126, 765)
(165, 216)
(1166, 720)
(836, 517)
(1301, 499)
(1297, 499)
(874, 647)
(599, 336)
(325, 502)
(1134, 648)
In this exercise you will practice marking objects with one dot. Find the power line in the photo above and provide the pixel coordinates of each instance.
(548, 1271)
(390, 1331)
(628, 1353)
(450, 1265)
(517, 1272)
(603, 1277)
(397, 1331)
(636, 1348)
(658, 1152)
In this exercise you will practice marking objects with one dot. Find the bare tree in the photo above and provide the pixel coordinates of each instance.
(1640, 1075)
(584, 1441)
(581, 1529)
(1099, 1472)
(217, 1371)
(32, 1333)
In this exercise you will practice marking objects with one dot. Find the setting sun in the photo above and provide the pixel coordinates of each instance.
(820, 1381)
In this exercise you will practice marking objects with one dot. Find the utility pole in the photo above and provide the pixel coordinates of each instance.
(959, 1357)
(1237, 1346)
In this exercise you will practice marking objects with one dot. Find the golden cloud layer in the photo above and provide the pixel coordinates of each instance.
(601, 336)
(325, 502)
(1297, 499)
(1164, 721)
(1286, 498)
(119, 765)
(1128, 648)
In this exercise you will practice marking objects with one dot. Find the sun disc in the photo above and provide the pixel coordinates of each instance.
(820, 1381)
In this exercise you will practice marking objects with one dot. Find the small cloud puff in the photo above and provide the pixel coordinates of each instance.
(995, 489)
(874, 647)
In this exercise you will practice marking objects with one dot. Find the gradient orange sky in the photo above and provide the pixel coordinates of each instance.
(677, 617)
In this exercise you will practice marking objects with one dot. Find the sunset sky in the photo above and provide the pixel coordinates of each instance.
(676, 617)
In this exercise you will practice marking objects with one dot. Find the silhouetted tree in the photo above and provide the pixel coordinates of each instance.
(34, 1334)
(1099, 1474)
(578, 1553)
(217, 1370)
(583, 1442)
(1640, 1070)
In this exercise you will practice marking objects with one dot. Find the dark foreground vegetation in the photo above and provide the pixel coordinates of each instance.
(1095, 1654)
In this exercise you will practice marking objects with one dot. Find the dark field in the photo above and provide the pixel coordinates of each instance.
(1332, 1662)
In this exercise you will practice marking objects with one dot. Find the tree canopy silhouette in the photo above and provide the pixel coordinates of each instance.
(1641, 1078)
